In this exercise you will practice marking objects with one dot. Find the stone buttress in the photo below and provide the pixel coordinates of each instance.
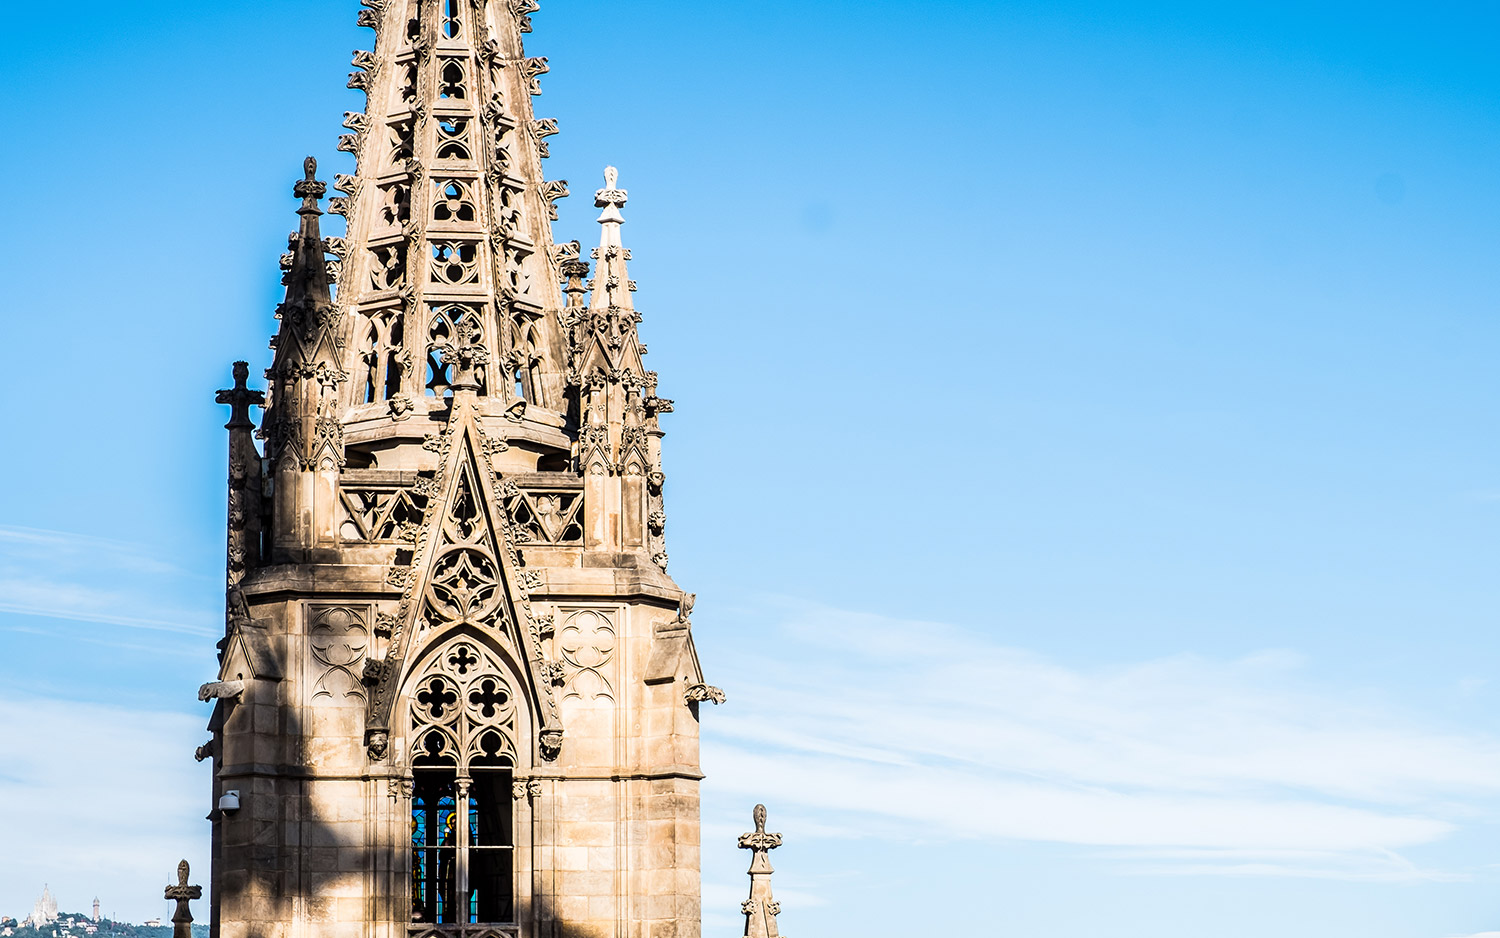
(457, 692)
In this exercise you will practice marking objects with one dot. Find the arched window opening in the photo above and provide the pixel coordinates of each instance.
(452, 84)
(394, 366)
(452, 24)
(369, 355)
(463, 759)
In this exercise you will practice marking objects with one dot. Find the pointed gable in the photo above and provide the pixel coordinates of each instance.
(467, 574)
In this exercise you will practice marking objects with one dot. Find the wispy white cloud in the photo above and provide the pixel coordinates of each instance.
(98, 800)
(1226, 767)
(82, 578)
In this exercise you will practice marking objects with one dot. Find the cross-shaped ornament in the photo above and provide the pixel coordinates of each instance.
(489, 697)
(182, 919)
(761, 908)
(240, 398)
(438, 699)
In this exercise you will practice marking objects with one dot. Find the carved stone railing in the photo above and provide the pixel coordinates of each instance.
(379, 514)
(375, 508)
(420, 930)
(545, 515)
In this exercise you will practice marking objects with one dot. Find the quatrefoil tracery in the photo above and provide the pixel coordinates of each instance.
(464, 710)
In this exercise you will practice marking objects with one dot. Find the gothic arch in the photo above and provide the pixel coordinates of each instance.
(466, 721)
(464, 704)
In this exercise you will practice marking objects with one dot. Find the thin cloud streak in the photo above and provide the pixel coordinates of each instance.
(81, 578)
(1225, 768)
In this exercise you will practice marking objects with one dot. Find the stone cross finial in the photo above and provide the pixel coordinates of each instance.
(182, 919)
(240, 398)
(761, 908)
(611, 198)
(309, 189)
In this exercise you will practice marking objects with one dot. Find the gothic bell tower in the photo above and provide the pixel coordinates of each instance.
(457, 694)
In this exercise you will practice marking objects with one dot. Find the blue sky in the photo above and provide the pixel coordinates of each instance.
(1084, 455)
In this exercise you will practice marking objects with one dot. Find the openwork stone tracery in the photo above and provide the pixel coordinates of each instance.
(462, 710)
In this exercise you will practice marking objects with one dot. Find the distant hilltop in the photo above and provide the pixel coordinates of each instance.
(79, 925)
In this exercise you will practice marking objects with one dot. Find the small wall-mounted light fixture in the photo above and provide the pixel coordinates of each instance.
(229, 801)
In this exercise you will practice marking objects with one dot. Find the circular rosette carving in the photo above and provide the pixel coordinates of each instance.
(464, 586)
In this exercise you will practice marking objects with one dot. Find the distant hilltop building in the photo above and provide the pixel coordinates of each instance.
(96, 910)
(44, 912)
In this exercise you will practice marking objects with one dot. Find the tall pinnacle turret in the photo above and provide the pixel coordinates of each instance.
(619, 449)
(304, 435)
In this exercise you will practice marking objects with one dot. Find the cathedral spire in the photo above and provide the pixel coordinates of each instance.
(460, 595)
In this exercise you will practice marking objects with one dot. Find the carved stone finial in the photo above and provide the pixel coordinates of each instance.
(759, 841)
(182, 919)
(239, 398)
(611, 198)
(308, 188)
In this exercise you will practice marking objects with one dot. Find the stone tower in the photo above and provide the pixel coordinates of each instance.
(457, 692)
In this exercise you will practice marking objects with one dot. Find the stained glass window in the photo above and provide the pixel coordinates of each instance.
(462, 841)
